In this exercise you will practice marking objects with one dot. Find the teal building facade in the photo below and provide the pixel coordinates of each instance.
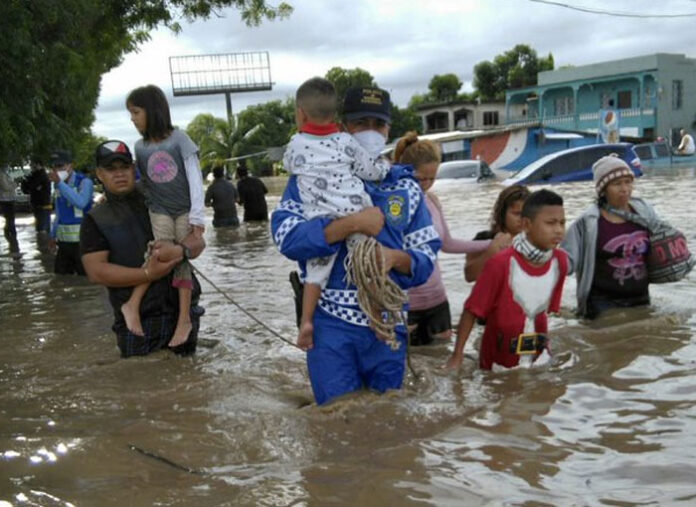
(654, 95)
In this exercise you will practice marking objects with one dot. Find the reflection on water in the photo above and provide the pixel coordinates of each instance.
(610, 421)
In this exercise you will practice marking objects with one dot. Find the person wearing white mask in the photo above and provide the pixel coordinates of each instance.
(345, 354)
(73, 198)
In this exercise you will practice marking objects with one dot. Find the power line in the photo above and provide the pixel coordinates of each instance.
(613, 13)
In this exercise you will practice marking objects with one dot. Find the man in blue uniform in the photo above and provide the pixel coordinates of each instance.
(73, 199)
(346, 355)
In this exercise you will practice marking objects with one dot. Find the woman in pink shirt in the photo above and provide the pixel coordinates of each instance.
(429, 312)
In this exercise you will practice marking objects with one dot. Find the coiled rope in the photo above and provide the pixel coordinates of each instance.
(379, 296)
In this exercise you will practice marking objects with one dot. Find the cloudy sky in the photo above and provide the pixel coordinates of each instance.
(402, 43)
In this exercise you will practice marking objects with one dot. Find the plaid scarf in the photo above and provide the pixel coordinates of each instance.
(525, 248)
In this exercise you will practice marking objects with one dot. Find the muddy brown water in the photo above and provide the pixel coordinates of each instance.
(610, 422)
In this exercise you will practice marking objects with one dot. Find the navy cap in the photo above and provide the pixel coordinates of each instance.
(60, 157)
(109, 151)
(367, 102)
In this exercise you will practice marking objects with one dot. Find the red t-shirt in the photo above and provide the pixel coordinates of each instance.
(493, 299)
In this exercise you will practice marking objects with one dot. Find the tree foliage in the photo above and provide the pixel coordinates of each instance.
(404, 120)
(55, 52)
(256, 129)
(343, 79)
(444, 87)
(515, 68)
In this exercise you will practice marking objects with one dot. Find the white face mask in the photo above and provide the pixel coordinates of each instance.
(63, 175)
(371, 140)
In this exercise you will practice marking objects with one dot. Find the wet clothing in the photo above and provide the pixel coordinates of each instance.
(121, 226)
(347, 355)
(7, 209)
(429, 323)
(581, 245)
(432, 292)
(252, 194)
(484, 235)
(171, 176)
(429, 308)
(68, 259)
(73, 200)
(514, 297)
(38, 187)
(222, 196)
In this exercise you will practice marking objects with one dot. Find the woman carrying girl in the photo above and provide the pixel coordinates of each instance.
(167, 161)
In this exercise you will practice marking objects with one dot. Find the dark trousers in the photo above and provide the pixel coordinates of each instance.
(68, 260)
(158, 331)
(42, 219)
(8, 212)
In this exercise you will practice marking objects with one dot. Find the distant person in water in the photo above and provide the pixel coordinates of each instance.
(686, 146)
(252, 195)
(222, 196)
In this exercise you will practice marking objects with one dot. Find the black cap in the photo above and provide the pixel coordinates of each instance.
(367, 102)
(108, 151)
(60, 157)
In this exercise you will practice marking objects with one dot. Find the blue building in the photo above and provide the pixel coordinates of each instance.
(654, 95)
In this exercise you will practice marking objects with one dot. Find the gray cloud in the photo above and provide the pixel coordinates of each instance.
(403, 44)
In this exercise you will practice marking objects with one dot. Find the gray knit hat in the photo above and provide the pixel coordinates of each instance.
(607, 169)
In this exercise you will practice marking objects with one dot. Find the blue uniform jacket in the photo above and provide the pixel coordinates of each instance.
(407, 227)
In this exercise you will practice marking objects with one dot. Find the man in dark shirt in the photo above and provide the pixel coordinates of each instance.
(113, 239)
(222, 196)
(252, 193)
(37, 185)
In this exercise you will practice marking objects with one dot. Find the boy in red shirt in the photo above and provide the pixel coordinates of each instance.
(516, 289)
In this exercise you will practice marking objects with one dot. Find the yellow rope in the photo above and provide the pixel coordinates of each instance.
(378, 296)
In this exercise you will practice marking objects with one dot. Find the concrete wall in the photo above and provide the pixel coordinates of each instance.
(676, 69)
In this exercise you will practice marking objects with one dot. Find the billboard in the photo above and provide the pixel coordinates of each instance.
(221, 73)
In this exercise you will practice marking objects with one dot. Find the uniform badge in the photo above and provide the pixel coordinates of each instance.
(395, 209)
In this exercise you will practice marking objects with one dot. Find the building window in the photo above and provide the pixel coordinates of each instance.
(624, 99)
(563, 106)
(677, 91)
(490, 118)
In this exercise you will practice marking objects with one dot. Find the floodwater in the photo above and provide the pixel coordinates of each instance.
(611, 422)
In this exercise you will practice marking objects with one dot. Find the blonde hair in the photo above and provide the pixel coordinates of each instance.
(409, 150)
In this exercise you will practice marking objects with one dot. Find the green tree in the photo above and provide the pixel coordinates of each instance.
(343, 79)
(256, 129)
(444, 87)
(515, 68)
(404, 120)
(84, 153)
(271, 125)
(54, 53)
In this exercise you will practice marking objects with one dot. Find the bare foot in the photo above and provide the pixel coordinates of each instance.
(181, 334)
(305, 340)
(131, 314)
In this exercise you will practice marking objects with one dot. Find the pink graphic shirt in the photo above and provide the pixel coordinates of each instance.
(620, 269)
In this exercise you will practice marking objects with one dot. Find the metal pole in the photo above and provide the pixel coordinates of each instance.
(228, 102)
